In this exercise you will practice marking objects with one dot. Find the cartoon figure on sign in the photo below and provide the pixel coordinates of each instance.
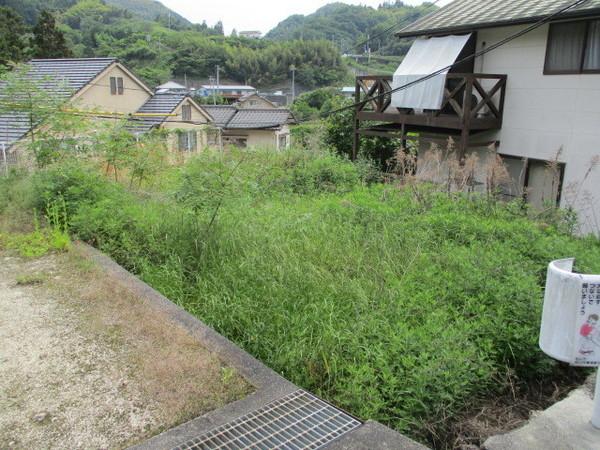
(589, 334)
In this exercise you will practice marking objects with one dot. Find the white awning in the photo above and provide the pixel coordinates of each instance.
(426, 56)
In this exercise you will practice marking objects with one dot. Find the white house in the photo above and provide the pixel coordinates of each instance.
(536, 98)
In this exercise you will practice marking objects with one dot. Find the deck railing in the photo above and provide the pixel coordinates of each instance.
(470, 99)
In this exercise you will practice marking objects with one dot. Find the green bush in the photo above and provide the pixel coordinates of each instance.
(398, 307)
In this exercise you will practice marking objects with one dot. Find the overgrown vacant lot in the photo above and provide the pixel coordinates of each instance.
(85, 364)
(405, 305)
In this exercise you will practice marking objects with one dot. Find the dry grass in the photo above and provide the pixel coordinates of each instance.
(503, 413)
(169, 364)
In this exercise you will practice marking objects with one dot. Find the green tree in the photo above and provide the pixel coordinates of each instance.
(339, 135)
(48, 40)
(12, 29)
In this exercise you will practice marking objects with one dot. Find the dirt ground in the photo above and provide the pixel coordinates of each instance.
(84, 364)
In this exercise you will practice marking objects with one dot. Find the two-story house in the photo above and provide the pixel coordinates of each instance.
(535, 98)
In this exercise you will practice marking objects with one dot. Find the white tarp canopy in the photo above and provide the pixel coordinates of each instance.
(426, 56)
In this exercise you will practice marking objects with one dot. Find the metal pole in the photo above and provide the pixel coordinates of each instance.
(596, 413)
(4, 158)
(293, 69)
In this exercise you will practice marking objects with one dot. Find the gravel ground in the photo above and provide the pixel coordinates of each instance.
(76, 373)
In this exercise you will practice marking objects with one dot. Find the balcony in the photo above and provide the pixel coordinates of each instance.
(472, 103)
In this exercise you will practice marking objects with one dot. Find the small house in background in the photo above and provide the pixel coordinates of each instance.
(253, 34)
(278, 98)
(348, 91)
(172, 87)
(249, 127)
(230, 92)
(535, 99)
(191, 124)
(255, 101)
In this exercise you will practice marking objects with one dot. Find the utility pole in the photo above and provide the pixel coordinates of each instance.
(211, 80)
(293, 69)
(218, 76)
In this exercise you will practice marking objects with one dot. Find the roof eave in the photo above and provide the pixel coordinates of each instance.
(502, 23)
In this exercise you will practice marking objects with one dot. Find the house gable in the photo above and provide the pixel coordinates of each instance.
(255, 101)
(199, 116)
(97, 94)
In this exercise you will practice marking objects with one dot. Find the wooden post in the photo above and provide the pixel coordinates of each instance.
(466, 122)
(356, 123)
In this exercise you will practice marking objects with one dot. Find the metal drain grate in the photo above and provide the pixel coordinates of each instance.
(297, 421)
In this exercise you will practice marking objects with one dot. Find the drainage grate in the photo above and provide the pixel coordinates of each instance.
(298, 421)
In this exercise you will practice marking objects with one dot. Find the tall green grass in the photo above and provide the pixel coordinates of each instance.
(397, 307)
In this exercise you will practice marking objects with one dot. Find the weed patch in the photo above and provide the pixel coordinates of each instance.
(403, 305)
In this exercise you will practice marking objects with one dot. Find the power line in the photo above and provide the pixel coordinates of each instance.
(461, 61)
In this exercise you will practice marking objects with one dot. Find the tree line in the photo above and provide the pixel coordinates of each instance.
(157, 51)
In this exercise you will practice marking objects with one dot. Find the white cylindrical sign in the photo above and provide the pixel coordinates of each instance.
(570, 330)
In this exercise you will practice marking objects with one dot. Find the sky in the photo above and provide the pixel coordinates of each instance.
(261, 15)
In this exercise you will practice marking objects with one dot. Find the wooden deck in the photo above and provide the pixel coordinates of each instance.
(472, 103)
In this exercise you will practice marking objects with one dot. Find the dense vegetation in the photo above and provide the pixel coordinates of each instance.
(345, 25)
(158, 49)
(404, 305)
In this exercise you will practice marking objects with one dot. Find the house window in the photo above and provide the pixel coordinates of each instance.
(212, 138)
(573, 48)
(537, 181)
(186, 113)
(282, 141)
(235, 141)
(116, 86)
(187, 141)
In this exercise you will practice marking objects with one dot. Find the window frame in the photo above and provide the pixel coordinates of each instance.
(117, 86)
(186, 136)
(186, 110)
(580, 70)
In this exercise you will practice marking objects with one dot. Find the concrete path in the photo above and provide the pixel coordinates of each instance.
(564, 426)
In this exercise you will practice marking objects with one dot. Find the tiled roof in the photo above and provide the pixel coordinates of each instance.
(171, 85)
(260, 118)
(231, 117)
(469, 15)
(66, 76)
(221, 114)
(61, 77)
(229, 87)
(158, 104)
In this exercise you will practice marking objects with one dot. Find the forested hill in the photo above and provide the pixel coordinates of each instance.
(143, 9)
(150, 10)
(159, 49)
(346, 24)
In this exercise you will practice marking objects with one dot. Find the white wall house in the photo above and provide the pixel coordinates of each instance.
(543, 112)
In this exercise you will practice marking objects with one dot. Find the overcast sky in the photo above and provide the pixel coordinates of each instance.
(255, 14)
